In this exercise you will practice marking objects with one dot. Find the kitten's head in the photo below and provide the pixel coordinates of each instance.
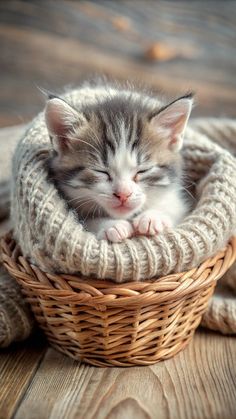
(114, 156)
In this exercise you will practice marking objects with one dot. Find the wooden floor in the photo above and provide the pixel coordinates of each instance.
(37, 383)
(172, 47)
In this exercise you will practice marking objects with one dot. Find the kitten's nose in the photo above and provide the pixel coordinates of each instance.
(122, 196)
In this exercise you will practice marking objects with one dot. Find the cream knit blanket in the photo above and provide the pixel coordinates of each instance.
(52, 236)
(16, 320)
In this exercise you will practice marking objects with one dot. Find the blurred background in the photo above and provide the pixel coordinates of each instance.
(171, 46)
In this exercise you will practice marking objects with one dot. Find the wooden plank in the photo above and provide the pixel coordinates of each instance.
(89, 59)
(52, 44)
(198, 383)
(18, 365)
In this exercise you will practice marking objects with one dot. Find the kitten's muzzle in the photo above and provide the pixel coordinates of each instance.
(122, 196)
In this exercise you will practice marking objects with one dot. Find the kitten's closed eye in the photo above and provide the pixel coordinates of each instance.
(154, 176)
(143, 171)
(138, 176)
(161, 176)
(104, 172)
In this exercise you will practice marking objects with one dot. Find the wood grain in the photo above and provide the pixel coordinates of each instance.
(17, 367)
(198, 383)
(52, 44)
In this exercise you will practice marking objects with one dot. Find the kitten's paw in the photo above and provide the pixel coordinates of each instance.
(116, 231)
(151, 222)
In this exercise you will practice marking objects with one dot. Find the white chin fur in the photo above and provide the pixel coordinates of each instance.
(121, 213)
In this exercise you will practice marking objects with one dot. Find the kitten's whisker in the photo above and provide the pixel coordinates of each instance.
(189, 184)
(84, 203)
(78, 140)
(86, 200)
(85, 142)
(78, 199)
(94, 211)
(103, 195)
(95, 134)
(189, 193)
(89, 212)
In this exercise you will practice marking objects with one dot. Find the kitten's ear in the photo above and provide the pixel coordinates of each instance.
(170, 122)
(60, 118)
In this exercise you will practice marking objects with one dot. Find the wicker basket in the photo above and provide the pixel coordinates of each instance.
(103, 323)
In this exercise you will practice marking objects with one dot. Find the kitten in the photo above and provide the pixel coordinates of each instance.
(117, 160)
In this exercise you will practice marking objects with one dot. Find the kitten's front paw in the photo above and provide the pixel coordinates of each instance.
(151, 222)
(116, 231)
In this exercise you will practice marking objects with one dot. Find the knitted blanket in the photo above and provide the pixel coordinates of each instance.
(16, 320)
(208, 227)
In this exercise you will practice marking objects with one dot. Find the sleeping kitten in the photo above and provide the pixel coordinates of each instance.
(117, 160)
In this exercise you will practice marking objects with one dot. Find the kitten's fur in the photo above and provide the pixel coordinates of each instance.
(117, 159)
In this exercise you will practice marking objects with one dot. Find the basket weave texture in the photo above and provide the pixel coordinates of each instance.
(103, 323)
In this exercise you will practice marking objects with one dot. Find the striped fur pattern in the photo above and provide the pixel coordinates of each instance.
(117, 161)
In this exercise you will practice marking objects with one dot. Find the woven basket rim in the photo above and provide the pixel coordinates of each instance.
(90, 291)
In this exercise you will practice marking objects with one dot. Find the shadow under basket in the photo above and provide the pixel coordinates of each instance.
(104, 323)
